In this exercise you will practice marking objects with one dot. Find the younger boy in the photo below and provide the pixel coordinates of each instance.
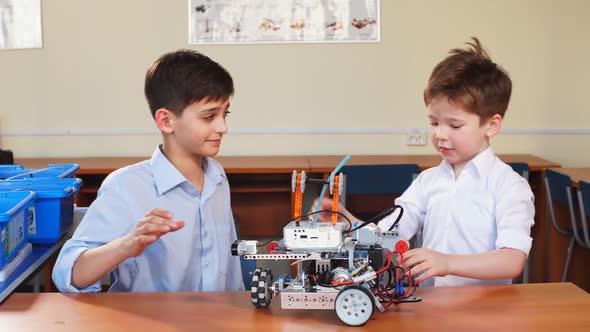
(164, 224)
(476, 213)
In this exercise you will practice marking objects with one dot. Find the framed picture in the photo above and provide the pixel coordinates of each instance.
(20, 24)
(283, 21)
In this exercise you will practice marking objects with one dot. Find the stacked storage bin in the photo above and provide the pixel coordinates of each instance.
(12, 172)
(15, 210)
(55, 189)
(54, 206)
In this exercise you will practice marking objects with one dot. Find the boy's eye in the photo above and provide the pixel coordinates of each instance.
(434, 124)
(456, 126)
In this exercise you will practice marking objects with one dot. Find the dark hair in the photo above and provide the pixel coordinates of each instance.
(179, 79)
(471, 80)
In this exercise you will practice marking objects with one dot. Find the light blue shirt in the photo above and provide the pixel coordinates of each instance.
(195, 258)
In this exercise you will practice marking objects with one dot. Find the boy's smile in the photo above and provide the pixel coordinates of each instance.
(214, 142)
(459, 135)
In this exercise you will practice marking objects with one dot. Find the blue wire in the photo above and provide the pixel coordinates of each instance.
(342, 162)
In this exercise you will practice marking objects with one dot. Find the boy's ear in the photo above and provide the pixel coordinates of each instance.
(164, 120)
(494, 125)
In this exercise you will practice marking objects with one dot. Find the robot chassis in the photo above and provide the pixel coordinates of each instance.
(339, 267)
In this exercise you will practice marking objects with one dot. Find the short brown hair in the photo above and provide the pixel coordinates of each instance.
(179, 79)
(471, 80)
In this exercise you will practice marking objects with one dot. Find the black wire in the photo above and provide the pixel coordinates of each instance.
(399, 216)
(380, 216)
(307, 215)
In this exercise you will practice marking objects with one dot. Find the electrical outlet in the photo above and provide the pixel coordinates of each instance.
(415, 138)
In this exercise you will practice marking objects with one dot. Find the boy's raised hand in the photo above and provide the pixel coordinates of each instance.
(151, 227)
(432, 263)
(327, 205)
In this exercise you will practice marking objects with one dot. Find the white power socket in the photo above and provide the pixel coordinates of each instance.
(415, 138)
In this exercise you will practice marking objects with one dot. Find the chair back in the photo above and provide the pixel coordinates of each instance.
(558, 185)
(584, 204)
(379, 179)
(390, 179)
(558, 188)
(584, 193)
(521, 168)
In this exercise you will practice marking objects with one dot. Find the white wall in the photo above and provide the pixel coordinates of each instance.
(89, 77)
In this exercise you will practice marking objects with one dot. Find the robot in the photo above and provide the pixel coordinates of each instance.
(340, 266)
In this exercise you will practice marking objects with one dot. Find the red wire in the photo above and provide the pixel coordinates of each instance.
(389, 298)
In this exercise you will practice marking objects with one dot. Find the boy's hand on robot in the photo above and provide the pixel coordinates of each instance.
(426, 261)
(150, 228)
(327, 205)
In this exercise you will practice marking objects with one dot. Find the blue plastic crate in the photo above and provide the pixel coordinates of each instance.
(15, 211)
(54, 206)
(13, 172)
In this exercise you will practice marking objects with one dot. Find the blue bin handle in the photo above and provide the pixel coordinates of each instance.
(23, 202)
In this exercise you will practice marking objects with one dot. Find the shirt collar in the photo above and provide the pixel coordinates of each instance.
(166, 176)
(482, 163)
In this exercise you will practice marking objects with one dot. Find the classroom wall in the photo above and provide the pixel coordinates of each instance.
(88, 78)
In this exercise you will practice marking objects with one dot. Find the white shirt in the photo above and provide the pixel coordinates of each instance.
(488, 207)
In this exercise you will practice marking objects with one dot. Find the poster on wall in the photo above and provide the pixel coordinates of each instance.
(20, 24)
(283, 21)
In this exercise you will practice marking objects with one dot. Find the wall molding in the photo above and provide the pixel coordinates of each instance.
(283, 131)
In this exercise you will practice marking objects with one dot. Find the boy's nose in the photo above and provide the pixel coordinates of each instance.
(440, 134)
(221, 127)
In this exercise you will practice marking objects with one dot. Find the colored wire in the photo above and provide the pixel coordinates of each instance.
(381, 215)
(342, 162)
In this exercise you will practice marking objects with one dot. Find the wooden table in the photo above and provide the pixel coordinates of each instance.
(261, 186)
(231, 164)
(325, 164)
(530, 307)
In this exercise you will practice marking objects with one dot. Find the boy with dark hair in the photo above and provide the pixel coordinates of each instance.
(164, 224)
(475, 211)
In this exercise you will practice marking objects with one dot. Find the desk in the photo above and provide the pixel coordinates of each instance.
(32, 264)
(261, 186)
(576, 174)
(530, 307)
(326, 164)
